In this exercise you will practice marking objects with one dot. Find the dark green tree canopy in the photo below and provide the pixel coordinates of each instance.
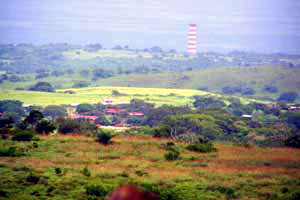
(203, 102)
(12, 106)
(43, 87)
(289, 97)
(45, 126)
(84, 107)
(55, 111)
(34, 116)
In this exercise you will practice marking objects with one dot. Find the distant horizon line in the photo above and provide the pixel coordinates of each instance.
(123, 47)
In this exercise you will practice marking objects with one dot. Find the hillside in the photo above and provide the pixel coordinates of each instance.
(77, 167)
(158, 96)
(69, 66)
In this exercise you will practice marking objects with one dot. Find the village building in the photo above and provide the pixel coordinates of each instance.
(86, 117)
(136, 113)
(108, 101)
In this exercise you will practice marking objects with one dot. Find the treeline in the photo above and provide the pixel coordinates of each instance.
(212, 119)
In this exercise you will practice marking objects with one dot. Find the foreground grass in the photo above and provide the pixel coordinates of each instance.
(234, 172)
(158, 96)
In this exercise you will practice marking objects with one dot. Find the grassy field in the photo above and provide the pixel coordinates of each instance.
(158, 96)
(106, 53)
(233, 172)
(214, 79)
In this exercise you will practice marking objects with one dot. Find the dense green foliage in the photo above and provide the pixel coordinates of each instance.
(42, 87)
(23, 135)
(45, 126)
(202, 148)
(103, 136)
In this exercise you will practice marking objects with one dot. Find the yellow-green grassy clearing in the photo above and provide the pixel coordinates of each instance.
(158, 96)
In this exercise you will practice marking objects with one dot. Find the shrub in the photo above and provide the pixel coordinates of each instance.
(172, 155)
(203, 148)
(141, 173)
(33, 178)
(45, 126)
(10, 152)
(23, 135)
(58, 170)
(104, 136)
(288, 97)
(43, 87)
(96, 190)
(270, 89)
(81, 84)
(85, 107)
(68, 126)
(248, 91)
(86, 172)
(293, 141)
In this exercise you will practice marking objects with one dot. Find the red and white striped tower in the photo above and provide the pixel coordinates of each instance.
(192, 40)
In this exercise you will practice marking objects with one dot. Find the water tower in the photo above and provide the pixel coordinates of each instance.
(192, 40)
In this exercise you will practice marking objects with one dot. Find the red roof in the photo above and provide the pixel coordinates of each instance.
(77, 116)
(136, 113)
(112, 110)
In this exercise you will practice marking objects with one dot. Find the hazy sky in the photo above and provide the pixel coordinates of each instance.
(256, 25)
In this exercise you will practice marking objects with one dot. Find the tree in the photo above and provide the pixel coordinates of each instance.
(103, 136)
(43, 87)
(12, 106)
(6, 122)
(270, 89)
(85, 73)
(81, 84)
(42, 75)
(293, 141)
(84, 107)
(33, 117)
(292, 118)
(156, 49)
(70, 71)
(248, 91)
(207, 103)
(289, 97)
(68, 126)
(45, 126)
(57, 73)
(55, 111)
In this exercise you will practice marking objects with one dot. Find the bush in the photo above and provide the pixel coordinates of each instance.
(172, 155)
(33, 178)
(141, 173)
(45, 126)
(104, 136)
(42, 87)
(203, 148)
(23, 135)
(270, 89)
(58, 170)
(96, 190)
(85, 107)
(248, 91)
(289, 97)
(68, 126)
(81, 84)
(10, 152)
(293, 141)
(86, 172)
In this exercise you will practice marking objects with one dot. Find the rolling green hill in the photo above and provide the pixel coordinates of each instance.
(158, 96)
(213, 79)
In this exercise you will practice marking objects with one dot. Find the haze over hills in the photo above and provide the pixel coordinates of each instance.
(263, 76)
(262, 26)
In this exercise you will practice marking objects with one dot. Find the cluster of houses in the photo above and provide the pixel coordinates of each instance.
(108, 112)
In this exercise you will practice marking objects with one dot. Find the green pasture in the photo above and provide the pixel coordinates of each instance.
(158, 96)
